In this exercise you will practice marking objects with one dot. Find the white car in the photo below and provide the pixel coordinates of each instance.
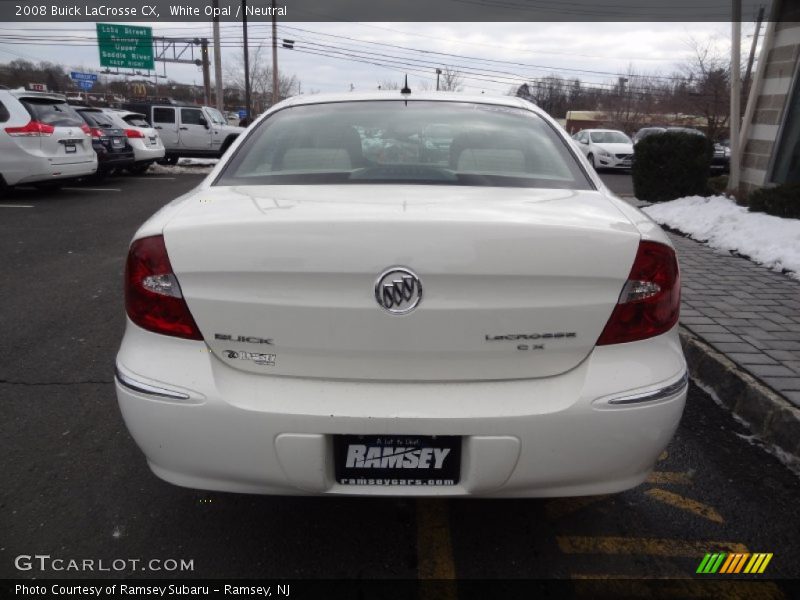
(43, 141)
(491, 322)
(606, 148)
(143, 138)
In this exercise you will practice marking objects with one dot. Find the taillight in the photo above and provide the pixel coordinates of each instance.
(32, 129)
(650, 300)
(97, 133)
(86, 129)
(153, 298)
(134, 133)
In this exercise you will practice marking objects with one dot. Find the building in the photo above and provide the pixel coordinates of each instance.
(771, 124)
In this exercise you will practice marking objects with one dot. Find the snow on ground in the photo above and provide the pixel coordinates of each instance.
(720, 222)
(201, 166)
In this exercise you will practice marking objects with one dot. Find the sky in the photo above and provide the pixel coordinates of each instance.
(594, 52)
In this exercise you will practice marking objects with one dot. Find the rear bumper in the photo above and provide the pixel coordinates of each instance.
(41, 170)
(147, 154)
(108, 160)
(613, 162)
(596, 429)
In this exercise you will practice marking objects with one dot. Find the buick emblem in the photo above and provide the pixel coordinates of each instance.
(398, 290)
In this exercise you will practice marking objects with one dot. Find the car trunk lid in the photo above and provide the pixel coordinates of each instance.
(518, 283)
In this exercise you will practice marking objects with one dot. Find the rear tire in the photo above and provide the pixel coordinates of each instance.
(139, 169)
(591, 160)
(170, 159)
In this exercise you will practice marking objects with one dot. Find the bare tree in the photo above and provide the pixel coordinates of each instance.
(451, 80)
(261, 79)
(707, 90)
(388, 84)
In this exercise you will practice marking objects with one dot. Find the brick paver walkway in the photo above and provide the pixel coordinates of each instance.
(745, 311)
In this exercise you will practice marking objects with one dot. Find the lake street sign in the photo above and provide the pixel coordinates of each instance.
(83, 76)
(125, 46)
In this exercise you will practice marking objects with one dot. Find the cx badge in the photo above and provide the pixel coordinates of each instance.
(398, 290)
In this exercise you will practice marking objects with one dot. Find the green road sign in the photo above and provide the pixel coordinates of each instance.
(125, 46)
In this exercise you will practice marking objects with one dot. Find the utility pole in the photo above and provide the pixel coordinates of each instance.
(438, 72)
(752, 57)
(275, 92)
(246, 62)
(206, 73)
(736, 95)
(217, 61)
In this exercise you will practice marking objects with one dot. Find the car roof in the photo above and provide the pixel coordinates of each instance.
(605, 130)
(123, 112)
(18, 93)
(510, 101)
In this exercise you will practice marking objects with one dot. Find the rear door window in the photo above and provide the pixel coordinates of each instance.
(163, 115)
(52, 112)
(4, 116)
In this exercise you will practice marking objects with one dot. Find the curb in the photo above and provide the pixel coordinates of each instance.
(767, 414)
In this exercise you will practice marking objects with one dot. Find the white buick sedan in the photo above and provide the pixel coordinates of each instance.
(340, 308)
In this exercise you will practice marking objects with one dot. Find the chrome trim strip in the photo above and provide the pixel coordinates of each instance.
(662, 394)
(146, 388)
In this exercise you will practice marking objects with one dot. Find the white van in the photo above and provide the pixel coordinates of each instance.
(43, 141)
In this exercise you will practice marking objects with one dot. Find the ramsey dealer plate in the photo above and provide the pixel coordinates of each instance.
(397, 460)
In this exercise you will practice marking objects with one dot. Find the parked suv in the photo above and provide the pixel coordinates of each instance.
(188, 130)
(108, 140)
(143, 138)
(43, 141)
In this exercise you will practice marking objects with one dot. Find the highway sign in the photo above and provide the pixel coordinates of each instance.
(85, 84)
(83, 76)
(126, 46)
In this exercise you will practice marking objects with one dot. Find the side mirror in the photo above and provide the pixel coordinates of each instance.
(203, 122)
(584, 141)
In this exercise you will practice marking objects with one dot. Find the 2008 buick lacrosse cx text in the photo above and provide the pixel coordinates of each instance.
(402, 293)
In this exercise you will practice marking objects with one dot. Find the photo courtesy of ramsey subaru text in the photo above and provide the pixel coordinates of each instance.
(402, 293)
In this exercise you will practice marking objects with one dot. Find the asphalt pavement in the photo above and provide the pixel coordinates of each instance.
(75, 485)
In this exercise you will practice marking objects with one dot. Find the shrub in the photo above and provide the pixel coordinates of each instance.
(781, 201)
(717, 185)
(671, 165)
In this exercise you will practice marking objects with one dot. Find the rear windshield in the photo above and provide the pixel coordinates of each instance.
(391, 141)
(97, 119)
(52, 112)
(136, 120)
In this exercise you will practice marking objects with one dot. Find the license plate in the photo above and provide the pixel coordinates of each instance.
(397, 460)
(117, 142)
(153, 141)
(69, 148)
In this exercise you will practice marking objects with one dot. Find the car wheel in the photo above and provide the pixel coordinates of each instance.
(139, 169)
(591, 160)
(170, 159)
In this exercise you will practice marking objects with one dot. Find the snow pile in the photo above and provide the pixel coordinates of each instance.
(771, 241)
(196, 166)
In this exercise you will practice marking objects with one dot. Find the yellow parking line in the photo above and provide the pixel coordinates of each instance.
(562, 507)
(434, 549)
(646, 546)
(670, 477)
(693, 506)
